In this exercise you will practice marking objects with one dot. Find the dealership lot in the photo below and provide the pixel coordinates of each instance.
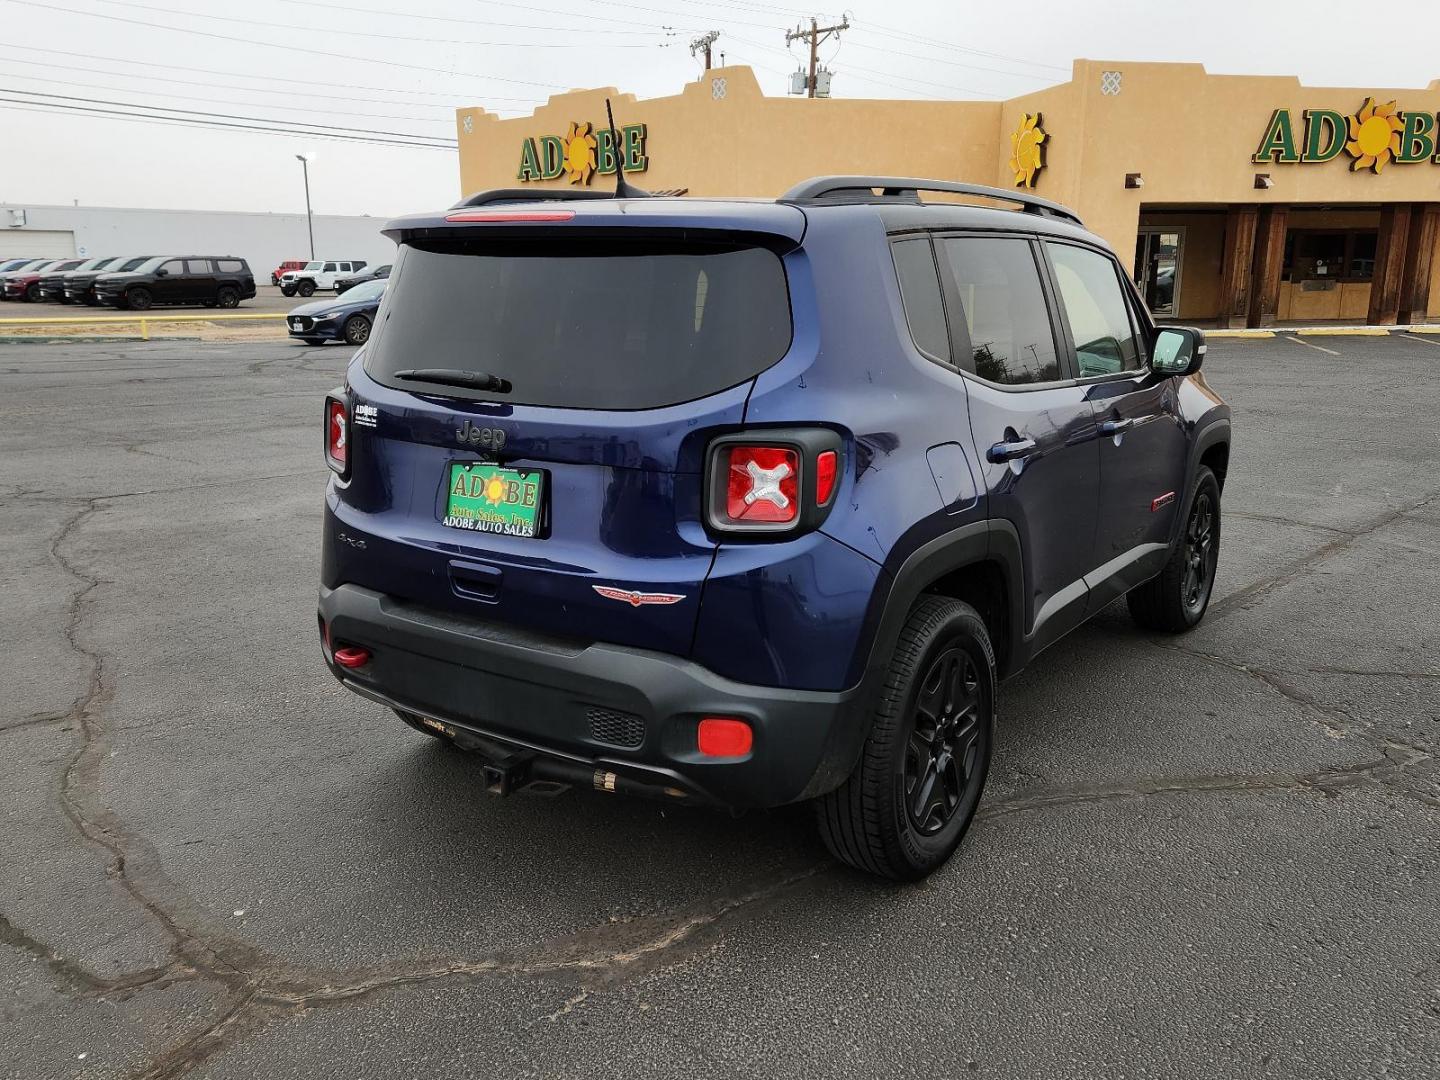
(1214, 855)
(268, 300)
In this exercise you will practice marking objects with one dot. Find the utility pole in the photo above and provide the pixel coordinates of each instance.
(815, 35)
(703, 44)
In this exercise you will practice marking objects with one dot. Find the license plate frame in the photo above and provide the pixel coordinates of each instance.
(516, 507)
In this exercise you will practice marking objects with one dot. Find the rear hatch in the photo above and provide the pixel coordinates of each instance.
(622, 336)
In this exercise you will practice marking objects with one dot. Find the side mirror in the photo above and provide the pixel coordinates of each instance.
(1179, 350)
(162, 272)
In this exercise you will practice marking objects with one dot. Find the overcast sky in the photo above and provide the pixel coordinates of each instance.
(402, 69)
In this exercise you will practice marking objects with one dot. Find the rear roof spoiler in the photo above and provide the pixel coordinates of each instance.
(525, 195)
(908, 188)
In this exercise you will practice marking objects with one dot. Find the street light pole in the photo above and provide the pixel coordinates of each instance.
(304, 160)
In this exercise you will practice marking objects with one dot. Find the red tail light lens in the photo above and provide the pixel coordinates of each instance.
(762, 485)
(827, 468)
(724, 736)
(337, 435)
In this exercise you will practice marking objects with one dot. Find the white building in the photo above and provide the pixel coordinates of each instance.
(264, 240)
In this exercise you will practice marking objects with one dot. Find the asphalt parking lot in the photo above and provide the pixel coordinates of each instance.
(1217, 855)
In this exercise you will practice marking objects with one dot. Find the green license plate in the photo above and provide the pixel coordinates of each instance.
(487, 498)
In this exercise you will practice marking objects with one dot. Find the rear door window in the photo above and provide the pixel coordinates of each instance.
(1006, 320)
(1095, 309)
(230, 266)
(584, 323)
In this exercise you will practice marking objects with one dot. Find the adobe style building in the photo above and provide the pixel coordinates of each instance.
(1238, 200)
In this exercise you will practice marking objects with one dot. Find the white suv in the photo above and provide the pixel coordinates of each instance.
(320, 274)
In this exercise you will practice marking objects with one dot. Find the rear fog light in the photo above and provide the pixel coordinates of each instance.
(724, 736)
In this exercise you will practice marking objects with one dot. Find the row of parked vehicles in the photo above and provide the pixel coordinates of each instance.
(135, 282)
(298, 277)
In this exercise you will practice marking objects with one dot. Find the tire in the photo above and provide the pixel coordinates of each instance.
(227, 297)
(943, 658)
(1175, 600)
(357, 330)
(32, 294)
(287, 290)
(138, 298)
(274, 280)
(313, 341)
(416, 723)
(306, 288)
(90, 301)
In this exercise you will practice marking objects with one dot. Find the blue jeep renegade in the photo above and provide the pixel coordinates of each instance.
(739, 503)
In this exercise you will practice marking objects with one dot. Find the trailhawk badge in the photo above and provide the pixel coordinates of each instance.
(635, 599)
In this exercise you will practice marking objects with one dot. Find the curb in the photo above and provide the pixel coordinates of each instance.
(60, 339)
(1327, 331)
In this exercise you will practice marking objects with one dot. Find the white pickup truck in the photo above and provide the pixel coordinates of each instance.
(318, 274)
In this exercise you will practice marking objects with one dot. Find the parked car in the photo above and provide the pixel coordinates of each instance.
(348, 319)
(288, 264)
(318, 274)
(747, 503)
(80, 284)
(201, 281)
(25, 266)
(25, 284)
(52, 284)
(7, 265)
(373, 273)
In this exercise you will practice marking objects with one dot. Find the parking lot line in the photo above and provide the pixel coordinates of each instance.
(1309, 344)
(1423, 340)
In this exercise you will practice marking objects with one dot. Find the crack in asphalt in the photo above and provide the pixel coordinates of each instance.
(1306, 564)
(264, 988)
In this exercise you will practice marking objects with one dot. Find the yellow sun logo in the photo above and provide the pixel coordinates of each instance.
(494, 490)
(1374, 135)
(1027, 150)
(579, 153)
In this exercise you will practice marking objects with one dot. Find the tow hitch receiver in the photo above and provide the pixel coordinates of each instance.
(507, 773)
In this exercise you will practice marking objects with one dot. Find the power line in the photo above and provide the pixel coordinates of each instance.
(249, 75)
(416, 138)
(814, 36)
(225, 100)
(367, 33)
(308, 52)
(350, 9)
(20, 105)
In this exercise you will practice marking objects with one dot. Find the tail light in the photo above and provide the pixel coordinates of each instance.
(724, 736)
(770, 482)
(337, 434)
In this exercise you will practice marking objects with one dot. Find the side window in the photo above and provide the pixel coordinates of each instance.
(1007, 322)
(174, 266)
(198, 266)
(329, 268)
(920, 289)
(1096, 310)
(230, 266)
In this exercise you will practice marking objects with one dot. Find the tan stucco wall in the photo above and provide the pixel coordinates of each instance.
(1189, 134)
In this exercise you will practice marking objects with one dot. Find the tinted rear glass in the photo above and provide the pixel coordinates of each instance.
(600, 324)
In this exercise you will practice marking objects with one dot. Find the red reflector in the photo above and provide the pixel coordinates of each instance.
(723, 736)
(827, 465)
(352, 656)
(512, 215)
(763, 484)
(337, 434)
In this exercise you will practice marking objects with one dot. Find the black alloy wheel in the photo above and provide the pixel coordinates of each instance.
(357, 330)
(306, 288)
(138, 298)
(1201, 554)
(227, 297)
(940, 761)
(32, 294)
(1175, 600)
(915, 789)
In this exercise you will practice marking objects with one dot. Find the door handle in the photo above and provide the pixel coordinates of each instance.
(1115, 427)
(1010, 450)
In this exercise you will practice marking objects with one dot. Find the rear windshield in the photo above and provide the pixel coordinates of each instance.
(590, 323)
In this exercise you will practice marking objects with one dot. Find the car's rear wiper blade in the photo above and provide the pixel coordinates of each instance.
(474, 380)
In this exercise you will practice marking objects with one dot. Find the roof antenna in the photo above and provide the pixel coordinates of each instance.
(623, 190)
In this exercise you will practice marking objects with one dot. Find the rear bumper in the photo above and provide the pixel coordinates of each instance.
(577, 702)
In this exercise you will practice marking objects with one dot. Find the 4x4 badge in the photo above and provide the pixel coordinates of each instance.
(635, 599)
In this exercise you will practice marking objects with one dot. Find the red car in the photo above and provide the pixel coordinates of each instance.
(25, 285)
(288, 264)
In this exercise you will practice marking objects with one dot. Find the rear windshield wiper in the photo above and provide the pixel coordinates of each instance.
(473, 380)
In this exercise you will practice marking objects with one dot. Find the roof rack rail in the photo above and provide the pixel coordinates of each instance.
(908, 188)
(514, 195)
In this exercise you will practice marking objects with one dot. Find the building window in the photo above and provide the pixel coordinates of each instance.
(1329, 255)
